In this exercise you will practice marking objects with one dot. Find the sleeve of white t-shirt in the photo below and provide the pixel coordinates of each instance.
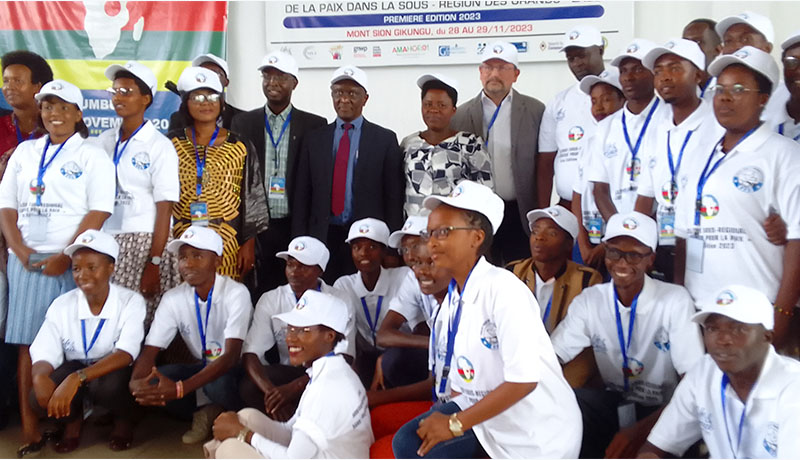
(789, 194)
(132, 330)
(164, 173)
(101, 180)
(686, 343)
(547, 129)
(678, 428)
(515, 310)
(650, 162)
(301, 446)
(407, 302)
(595, 170)
(239, 310)
(789, 422)
(261, 337)
(47, 345)
(165, 321)
(572, 334)
(8, 186)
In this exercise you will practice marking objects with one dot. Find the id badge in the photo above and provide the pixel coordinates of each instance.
(199, 212)
(277, 188)
(595, 229)
(115, 221)
(626, 414)
(38, 227)
(694, 254)
(666, 227)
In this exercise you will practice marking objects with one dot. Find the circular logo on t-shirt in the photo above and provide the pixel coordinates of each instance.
(213, 351)
(465, 368)
(709, 206)
(71, 170)
(726, 297)
(669, 191)
(575, 134)
(141, 161)
(634, 368)
(662, 339)
(749, 179)
(635, 166)
(610, 151)
(771, 439)
(489, 335)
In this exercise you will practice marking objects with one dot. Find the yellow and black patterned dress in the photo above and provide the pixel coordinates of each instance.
(232, 189)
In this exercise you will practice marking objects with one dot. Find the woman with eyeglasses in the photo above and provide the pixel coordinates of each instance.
(437, 158)
(220, 184)
(509, 396)
(147, 187)
(61, 186)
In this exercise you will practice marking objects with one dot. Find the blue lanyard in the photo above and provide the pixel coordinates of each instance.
(452, 328)
(117, 152)
(706, 174)
(43, 167)
(19, 133)
(547, 311)
(780, 131)
(494, 118)
(624, 347)
(280, 136)
(86, 349)
(201, 164)
(674, 168)
(373, 326)
(704, 88)
(635, 149)
(724, 383)
(203, 329)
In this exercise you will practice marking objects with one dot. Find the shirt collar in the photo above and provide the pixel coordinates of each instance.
(772, 378)
(644, 300)
(73, 142)
(356, 123)
(381, 287)
(702, 113)
(644, 112)
(478, 274)
(319, 364)
(109, 310)
(218, 280)
(506, 100)
(755, 140)
(144, 134)
(281, 116)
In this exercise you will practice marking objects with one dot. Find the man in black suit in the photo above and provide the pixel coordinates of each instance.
(349, 170)
(277, 131)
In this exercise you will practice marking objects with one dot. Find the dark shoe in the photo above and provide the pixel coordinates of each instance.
(118, 443)
(67, 445)
(53, 435)
(30, 448)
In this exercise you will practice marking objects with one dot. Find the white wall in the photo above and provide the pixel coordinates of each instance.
(394, 97)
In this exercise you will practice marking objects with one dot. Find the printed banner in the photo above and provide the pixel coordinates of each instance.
(430, 32)
(80, 39)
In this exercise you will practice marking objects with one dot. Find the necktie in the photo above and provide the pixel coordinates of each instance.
(340, 171)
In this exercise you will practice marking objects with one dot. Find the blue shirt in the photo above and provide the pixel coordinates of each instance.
(355, 136)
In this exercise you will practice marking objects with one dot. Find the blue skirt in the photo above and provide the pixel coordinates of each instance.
(29, 296)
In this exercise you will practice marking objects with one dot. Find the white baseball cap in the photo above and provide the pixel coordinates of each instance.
(316, 308)
(758, 22)
(198, 237)
(308, 251)
(686, 49)
(95, 240)
(471, 196)
(351, 72)
(425, 78)
(193, 78)
(637, 49)
(208, 57)
(751, 57)
(63, 90)
(792, 40)
(281, 61)
(633, 224)
(502, 50)
(140, 71)
(582, 37)
(370, 228)
(413, 226)
(740, 303)
(559, 214)
(609, 76)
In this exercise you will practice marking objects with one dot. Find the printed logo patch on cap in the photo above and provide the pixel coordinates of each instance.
(742, 54)
(87, 239)
(301, 304)
(407, 225)
(200, 78)
(299, 246)
(273, 59)
(497, 49)
(630, 224)
(456, 192)
(574, 35)
(604, 74)
(553, 212)
(669, 45)
(364, 229)
(57, 87)
(348, 72)
(726, 298)
(633, 48)
(188, 234)
(744, 16)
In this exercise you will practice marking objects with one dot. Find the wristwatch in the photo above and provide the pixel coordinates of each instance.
(455, 426)
(81, 376)
(155, 260)
(243, 435)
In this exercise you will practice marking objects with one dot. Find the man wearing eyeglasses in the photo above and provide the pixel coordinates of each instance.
(785, 117)
(348, 170)
(509, 124)
(642, 338)
(277, 132)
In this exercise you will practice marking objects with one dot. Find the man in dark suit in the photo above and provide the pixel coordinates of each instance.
(509, 124)
(349, 170)
(277, 131)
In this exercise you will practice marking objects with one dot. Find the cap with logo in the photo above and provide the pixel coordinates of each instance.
(471, 196)
(425, 78)
(198, 237)
(370, 228)
(351, 72)
(686, 49)
(281, 61)
(792, 40)
(635, 225)
(501, 50)
(609, 76)
(637, 49)
(63, 90)
(740, 303)
(760, 23)
(413, 226)
(751, 57)
(140, 71)
(560, 215)
(317, 309)
(308, 251)
(208, 57)
(95, 240)
(193, 78)
(582, 37)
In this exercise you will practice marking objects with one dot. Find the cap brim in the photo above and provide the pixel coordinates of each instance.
(718, 65)
(723, 310)
(112, 70)
(588, 82)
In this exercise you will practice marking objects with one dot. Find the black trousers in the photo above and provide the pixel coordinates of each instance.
(511, 241)
(341, 262)
(270, 270)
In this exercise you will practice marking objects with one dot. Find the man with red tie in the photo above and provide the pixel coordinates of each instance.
(348, 170)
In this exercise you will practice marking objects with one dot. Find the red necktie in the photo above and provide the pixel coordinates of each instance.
(340, 172)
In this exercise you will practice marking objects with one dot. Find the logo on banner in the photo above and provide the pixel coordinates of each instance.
(465, 368)
(522, 47)
(481, 48)
(410, 50)
(444, 50)
(376, 51)
(336, 52)
(309, 52)
(360, 51)
(749, 179)
(575, 134)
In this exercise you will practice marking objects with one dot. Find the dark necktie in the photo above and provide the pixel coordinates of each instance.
(340, 172)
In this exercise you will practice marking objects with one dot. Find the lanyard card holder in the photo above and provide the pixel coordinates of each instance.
(38, 225)
(695, 246)
(626, 414)
(199, 212)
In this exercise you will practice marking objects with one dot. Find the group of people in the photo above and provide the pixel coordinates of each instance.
(338, 294)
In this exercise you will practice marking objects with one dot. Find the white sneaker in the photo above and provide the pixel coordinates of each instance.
(202, 421)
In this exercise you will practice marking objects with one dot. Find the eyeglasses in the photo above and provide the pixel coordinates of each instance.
(351, 94)
(277, 78)
(442, 232)
(791, 62)
(201, 98)
(735, 91)
(295, 331)
(630, 257)
(124, 92)
(486, 68)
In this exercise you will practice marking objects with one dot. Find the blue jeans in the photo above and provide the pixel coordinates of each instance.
(223, 391)
(406, 442)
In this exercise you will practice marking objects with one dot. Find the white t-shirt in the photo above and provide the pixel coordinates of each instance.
(60, 338)
(437, 352)
(332, 412)
(778, 118)
(229, 318)
(611, 159)
(266, 330)
(567, 124)
(665, 343)
(80, 179)
(391, 282)
(501, 339)
(761, 173)
(656, 179)
(771, 428)
(498, 143)
(147, 173)
(591, 217)
(414, 306)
